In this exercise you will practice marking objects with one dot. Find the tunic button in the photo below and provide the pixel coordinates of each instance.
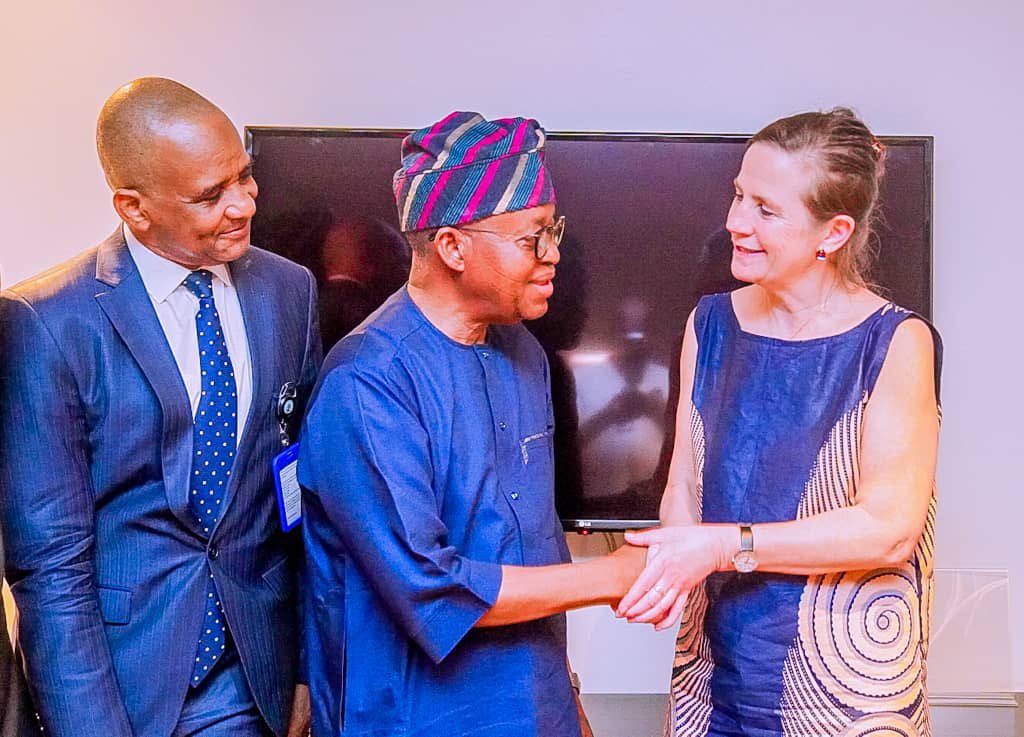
(502, 425)
(514, 495)
(213, 552)
(485, 354)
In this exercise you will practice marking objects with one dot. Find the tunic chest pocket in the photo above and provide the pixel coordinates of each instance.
(536, 448)
(535, 506)
(537, 475)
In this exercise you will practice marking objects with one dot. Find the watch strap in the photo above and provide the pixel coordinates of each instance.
(746, 538)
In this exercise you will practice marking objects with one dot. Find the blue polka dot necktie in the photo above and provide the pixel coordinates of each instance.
(213, 451)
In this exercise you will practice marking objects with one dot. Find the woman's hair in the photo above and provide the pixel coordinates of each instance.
(850, 163)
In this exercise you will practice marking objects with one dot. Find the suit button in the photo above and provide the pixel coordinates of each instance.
(213, 552)
(514, 495)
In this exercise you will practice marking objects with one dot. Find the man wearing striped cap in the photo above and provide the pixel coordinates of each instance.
(438, 571)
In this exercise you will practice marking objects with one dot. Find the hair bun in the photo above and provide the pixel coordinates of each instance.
(879, 150)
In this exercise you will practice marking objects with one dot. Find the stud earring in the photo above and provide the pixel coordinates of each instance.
(820, 254)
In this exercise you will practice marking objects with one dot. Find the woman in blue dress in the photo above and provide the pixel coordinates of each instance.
(797, 524)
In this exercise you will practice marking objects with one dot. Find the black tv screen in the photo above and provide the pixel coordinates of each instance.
(645, 238)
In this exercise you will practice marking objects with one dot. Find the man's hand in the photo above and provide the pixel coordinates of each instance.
(627, 562)
(298, 725)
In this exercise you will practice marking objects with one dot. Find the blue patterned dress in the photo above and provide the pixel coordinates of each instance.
(776, 428)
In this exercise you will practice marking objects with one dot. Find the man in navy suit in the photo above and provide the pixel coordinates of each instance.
(139, 387)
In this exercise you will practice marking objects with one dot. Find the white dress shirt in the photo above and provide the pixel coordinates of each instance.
(176, 308)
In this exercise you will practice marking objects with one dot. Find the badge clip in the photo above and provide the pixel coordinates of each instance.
(287, 404)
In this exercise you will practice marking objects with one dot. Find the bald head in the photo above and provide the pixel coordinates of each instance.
(135, 116)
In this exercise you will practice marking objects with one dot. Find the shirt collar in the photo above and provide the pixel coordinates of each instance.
(162, 276)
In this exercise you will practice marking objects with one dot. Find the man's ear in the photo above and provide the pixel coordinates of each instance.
(129, 206)
(450, 244)
(839, 230)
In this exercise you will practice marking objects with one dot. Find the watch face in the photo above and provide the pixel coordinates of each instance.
(744, 561)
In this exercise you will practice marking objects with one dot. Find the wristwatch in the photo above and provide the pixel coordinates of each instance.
(745, 561)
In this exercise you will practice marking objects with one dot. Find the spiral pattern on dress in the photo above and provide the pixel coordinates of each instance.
(861, 634)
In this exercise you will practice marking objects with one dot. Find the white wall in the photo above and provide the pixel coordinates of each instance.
(948, 69)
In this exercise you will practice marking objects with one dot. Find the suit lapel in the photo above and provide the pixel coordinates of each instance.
(255, 296)
(124, 300)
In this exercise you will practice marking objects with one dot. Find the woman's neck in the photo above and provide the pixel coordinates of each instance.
(815, 292)
(814, 308)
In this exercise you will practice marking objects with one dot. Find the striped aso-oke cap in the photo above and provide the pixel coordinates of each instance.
(465, 168)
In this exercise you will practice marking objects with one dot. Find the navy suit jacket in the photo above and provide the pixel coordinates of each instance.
(107, 564)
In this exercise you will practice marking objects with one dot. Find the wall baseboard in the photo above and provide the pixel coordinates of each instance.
(994, 714)
(953, 714)
(976, 699)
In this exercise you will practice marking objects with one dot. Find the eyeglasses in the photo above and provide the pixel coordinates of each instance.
(540, 242)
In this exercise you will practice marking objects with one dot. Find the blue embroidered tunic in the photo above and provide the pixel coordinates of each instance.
(426, 465)
(776, 428)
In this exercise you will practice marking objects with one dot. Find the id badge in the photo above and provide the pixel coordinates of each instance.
(289, 494)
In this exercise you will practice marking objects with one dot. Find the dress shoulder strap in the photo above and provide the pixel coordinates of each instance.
(713, 312)
(880, 332)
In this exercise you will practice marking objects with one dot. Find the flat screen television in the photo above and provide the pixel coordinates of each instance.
(645, 238)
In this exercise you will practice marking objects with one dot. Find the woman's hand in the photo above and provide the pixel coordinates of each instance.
(678, 558)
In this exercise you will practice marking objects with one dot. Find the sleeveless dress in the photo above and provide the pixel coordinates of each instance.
(776, 427)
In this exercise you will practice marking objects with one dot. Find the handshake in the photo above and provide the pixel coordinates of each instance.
(655, 570)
